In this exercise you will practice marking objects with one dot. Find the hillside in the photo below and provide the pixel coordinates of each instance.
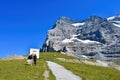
(19, 70)
(86, 71)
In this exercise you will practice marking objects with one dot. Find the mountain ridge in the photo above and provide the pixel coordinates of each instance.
(69, 36)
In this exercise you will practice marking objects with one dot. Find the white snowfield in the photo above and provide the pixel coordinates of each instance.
(117, 25)
(67, 41)
(61, 73)
(110, 18)
(74, 38)
(78, 24)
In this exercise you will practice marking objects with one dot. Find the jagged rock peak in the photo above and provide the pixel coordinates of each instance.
(65, 20)
(95, 19)
(118, 15)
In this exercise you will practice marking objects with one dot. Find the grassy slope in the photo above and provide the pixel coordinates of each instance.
(87, 72)
(118, 63)
(53, 55)
(18, 70)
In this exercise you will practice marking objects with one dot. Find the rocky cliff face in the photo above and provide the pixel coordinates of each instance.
(89, 37)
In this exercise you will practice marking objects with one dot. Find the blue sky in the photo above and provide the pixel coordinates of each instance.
(24, 23)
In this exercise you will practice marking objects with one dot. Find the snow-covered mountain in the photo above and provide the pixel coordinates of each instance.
(115, 20)
(89, 37)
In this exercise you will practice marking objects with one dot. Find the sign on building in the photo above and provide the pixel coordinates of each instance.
(35, 51)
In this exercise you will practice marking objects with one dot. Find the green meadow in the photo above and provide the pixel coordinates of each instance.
(118, 63)
(19, 70)
(87, 72)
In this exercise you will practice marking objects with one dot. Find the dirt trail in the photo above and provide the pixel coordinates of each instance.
(61, 73)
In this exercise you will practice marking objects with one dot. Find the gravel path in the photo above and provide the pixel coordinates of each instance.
(61, 73)
(46, 75)
(118, 68)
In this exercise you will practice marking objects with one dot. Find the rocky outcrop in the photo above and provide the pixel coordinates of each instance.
(89, 37)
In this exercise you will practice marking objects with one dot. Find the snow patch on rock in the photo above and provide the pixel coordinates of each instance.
(78, 24)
